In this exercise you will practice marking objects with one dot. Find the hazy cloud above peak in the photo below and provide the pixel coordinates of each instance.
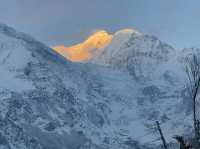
(70, 21)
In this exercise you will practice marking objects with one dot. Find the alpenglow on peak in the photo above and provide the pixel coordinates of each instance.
(93, 44)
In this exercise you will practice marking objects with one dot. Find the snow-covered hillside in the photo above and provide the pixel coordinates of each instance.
(47, 102)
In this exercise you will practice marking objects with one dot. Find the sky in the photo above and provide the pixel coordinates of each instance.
(67, 22)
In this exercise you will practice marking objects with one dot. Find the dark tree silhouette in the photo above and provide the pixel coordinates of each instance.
(193, 73)
(181, 141)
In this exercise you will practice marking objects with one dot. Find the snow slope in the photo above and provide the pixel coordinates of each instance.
(49, 102)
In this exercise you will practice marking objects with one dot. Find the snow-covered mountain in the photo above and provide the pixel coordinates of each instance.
(48, 102)
(138, 53)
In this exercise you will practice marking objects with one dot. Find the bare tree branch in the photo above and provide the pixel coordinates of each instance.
(193, 73)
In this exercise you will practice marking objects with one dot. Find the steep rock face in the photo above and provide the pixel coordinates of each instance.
(35, 102)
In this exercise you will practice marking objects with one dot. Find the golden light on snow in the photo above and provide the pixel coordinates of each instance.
(84, 50)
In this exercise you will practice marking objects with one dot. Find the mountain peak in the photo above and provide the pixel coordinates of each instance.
(84, 50)
(98, 40)
(127, 31)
